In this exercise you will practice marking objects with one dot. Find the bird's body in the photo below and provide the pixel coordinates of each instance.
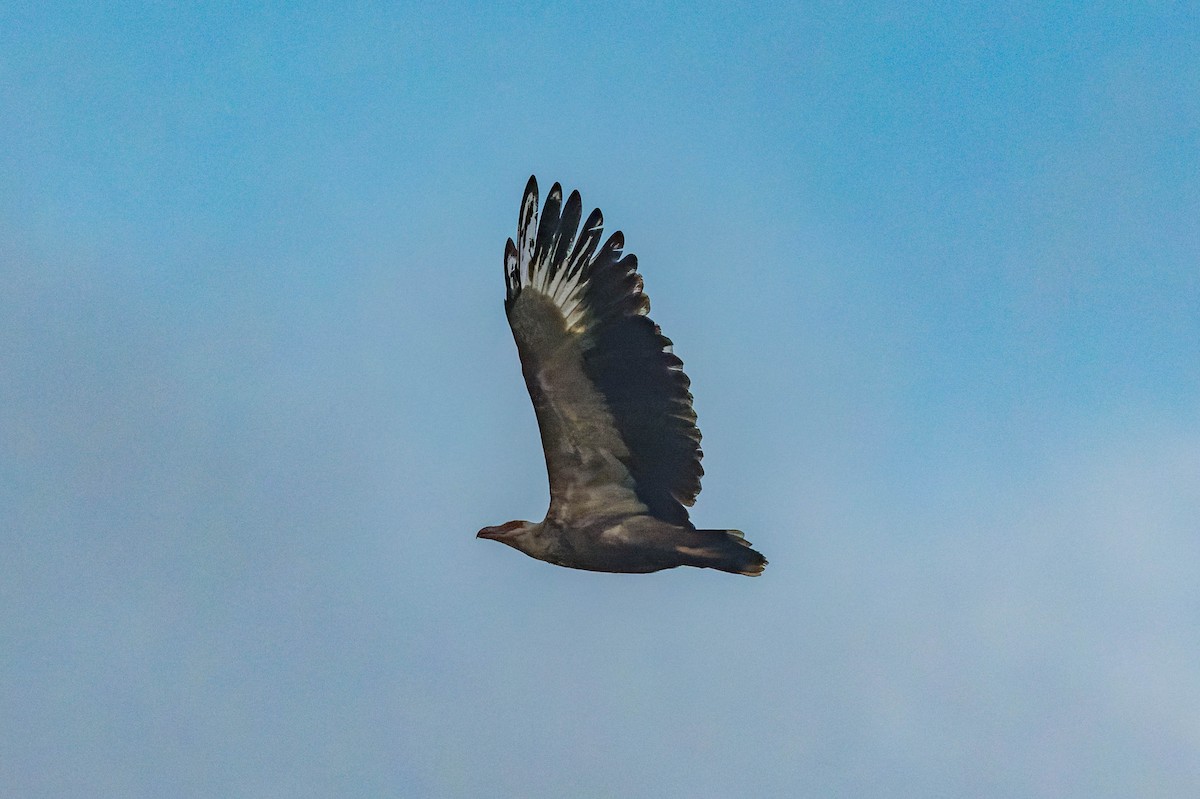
(612, 402)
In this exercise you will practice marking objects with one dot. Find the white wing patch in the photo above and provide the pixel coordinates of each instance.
(531, 268)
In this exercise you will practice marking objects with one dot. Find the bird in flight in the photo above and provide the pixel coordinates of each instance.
(612, 403)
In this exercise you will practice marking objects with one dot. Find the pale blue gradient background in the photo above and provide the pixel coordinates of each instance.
(934, 272)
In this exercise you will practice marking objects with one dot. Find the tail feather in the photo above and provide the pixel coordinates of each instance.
(729, 551)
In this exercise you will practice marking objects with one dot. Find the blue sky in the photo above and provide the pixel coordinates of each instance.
(934, 272)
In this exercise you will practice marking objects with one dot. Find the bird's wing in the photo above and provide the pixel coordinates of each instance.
(611, 398)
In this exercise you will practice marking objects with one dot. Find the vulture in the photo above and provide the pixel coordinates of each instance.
(612, 402)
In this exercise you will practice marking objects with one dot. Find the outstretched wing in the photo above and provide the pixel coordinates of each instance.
(611, 398)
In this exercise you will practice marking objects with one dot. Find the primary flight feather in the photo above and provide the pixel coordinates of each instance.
(612, 403)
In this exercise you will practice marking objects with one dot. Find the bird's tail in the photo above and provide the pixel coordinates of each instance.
(729, 551)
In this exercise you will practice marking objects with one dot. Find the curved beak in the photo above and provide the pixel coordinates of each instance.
(489, 532)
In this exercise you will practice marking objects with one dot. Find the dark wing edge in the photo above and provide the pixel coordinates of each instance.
(625, 355)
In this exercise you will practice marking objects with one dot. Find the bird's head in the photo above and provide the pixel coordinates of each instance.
(507, 533)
